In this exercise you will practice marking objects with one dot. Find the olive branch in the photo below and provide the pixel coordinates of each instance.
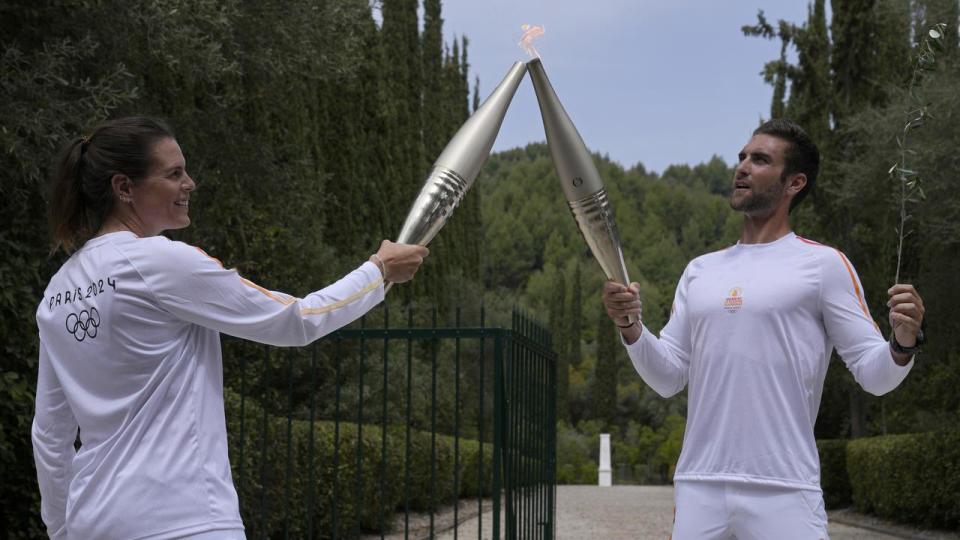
(916, 115)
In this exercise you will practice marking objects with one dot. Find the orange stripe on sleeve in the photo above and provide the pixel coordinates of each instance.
(252, 285)
(287, 301)
(856, 288)
(268, 294)
(207, 255)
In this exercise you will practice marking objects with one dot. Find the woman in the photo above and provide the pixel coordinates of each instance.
(130, 344)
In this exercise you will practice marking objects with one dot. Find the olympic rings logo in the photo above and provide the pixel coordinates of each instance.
(84, 324)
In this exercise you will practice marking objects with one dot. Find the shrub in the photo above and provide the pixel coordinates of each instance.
(575, 463)
(911, 478)
(336, 502)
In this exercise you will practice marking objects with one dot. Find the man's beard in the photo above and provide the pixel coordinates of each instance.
(758, 201)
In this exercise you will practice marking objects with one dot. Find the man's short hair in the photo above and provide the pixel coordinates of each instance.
(802, 155)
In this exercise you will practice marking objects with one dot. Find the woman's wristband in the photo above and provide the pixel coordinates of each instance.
(375, 259)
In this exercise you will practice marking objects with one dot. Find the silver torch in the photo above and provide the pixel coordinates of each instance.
(580, 180)
(459, 164)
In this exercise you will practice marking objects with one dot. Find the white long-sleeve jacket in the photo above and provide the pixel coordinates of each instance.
(751, 331)
(130, 354)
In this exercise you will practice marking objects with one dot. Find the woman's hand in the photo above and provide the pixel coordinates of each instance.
(399, 262)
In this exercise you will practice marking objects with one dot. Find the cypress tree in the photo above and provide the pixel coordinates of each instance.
(476, 95)
(605, 373)
(471, 229)
(347, 146)
(557, 324)
(401, 98)
(356, 213)
(434, 125)
(847, 24)
(870, 50)
(464, 69)
(775, 72)
(452, 80)
(435, 136)
(810, 91)
(449, 244)
(401, 92)
(371, 167)
(574, 322)
(779, 72)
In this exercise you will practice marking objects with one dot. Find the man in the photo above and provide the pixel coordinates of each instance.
(751, 331)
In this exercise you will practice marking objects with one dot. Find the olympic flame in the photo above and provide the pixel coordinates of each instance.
(530, 33)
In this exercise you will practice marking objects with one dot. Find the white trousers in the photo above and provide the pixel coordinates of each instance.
(741, 511)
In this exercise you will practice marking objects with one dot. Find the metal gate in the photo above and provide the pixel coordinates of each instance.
(397, 431)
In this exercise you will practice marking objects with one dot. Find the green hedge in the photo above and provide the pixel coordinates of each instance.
(833, 473)
(266, 483)
(910, 478)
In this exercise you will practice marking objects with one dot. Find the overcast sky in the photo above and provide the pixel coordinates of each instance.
(651, 81)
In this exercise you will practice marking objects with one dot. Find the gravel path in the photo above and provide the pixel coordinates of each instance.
(646, 512)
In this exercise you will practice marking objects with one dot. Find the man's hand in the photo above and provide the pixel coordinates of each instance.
(399, 261)
(620, 302)
(906, 316)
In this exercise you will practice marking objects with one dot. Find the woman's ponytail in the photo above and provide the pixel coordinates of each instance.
(66, 217)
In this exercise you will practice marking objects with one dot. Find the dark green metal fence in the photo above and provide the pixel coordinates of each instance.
(397, 430)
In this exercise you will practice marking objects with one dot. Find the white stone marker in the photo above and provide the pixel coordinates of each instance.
(606, 473)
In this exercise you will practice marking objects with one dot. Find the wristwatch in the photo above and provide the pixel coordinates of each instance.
(897, 347)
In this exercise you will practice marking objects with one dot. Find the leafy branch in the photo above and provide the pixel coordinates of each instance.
(916, 115)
